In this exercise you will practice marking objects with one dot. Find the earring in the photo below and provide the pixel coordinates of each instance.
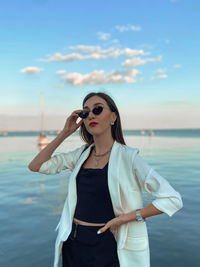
(112, 123)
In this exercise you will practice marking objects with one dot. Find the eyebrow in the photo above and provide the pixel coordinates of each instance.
(94, 105)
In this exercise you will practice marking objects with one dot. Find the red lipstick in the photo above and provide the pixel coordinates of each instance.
(92, 124)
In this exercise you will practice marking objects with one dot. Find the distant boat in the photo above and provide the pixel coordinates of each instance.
(142, 132)
(3, 132)
(151, 133)
(42, 140)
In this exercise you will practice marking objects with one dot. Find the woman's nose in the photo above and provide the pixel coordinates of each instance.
(91, 114)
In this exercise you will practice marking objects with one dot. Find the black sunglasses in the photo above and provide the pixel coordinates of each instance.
(84, 114)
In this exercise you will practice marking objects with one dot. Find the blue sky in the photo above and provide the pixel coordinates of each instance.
(145, 54)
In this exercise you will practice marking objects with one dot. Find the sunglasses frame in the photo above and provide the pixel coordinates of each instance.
(87, 112)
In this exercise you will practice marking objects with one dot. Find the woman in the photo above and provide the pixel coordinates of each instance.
(103, 219)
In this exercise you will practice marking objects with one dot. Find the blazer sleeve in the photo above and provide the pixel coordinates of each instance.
(61, 161)
(167, 199)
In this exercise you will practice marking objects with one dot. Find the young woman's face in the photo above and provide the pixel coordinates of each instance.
(103, 119)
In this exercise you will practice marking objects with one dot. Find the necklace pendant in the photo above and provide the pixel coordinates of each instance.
(96, 164)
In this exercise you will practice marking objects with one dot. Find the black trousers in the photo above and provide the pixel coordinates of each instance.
(85, 248)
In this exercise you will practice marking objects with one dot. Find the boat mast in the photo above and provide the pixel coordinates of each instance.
(41, 113)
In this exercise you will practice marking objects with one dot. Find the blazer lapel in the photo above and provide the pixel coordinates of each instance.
(72, 191)
(113, 179)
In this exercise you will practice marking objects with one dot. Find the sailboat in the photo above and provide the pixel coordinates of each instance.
(151, 133)
(142, 132)
(42, 140)
(3, 132)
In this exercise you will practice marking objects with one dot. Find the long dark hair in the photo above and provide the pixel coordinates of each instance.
(116, 129)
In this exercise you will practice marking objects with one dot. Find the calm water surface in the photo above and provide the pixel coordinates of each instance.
(31, 203)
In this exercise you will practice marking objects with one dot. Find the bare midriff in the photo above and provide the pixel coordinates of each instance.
(87, 223)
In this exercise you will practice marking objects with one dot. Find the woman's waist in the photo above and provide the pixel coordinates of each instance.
(87, 223)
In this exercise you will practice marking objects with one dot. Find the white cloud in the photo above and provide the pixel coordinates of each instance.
(148, 46)
(99, 77)
(133, 62)
(128, 27)
(159, 71)
(128, 52)
(94, 49)
(139, 61)
(162, 76)
(158, 77)
(96, 56)
(31, 70)
(86, 48)
(103, 35)
(115, 41)
(60, 71)
(94, 52)
(58, 57)
(177, 66)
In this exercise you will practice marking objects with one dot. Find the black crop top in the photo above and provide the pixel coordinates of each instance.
(93, 198)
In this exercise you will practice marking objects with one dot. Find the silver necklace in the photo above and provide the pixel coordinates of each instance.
(100, 155)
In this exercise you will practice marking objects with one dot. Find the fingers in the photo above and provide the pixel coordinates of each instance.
(74, 114)
(112, 230)
(77, 111)
(102, 230)
(111, 226)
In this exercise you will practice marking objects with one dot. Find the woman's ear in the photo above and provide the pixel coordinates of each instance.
(114, 116)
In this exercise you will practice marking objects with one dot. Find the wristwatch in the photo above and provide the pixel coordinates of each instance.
(138, 216)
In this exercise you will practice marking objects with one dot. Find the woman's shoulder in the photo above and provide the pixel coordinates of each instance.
(127, 148)
(127, 151)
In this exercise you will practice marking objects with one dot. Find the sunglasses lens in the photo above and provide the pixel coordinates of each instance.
(97, 110)
(83, 114)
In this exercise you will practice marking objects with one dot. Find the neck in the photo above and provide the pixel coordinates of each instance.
(102, 144)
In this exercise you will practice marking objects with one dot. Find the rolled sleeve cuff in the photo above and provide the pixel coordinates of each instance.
(168, 206)
(54, 165)
(167, 199)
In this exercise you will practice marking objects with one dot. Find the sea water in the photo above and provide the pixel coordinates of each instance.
(31, 203)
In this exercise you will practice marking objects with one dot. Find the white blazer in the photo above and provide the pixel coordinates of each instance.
(128, 174)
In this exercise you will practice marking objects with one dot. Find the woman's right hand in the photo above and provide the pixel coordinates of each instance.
(71, 125)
